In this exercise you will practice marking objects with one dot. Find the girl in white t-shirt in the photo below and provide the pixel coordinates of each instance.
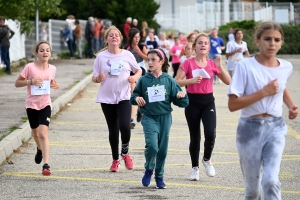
(38, 77)
(112, 69)
(235, 50)
(258, 89)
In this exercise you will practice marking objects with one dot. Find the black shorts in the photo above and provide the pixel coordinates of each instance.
(143, 72)
(37, 117)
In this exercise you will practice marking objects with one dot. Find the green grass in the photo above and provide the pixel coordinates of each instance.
(72, 85)
(11, 129)
(24, 119)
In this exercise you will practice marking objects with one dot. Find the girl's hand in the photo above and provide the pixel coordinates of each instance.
(293, 112)
(37, 81)
(180, 95)
(131, 79)
(140, 101)
(218, 61)
(54, 84)
(272, 88)
(100, 78)
(196, 79)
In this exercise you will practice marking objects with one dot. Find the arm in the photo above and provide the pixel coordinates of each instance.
(247, 53)
(236, 103)
(21, 82)
(12, 33)
(179, 98)
(287, 99)
(141, 53)
(136, 96)
(223, 75)
(181, 82)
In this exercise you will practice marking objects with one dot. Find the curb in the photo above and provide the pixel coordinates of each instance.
(15, 139)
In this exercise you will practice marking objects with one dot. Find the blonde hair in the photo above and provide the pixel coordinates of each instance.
(37, 45)
(187, 44)
(197, 37)
(105, 38)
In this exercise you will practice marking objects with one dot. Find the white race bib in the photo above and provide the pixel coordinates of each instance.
(219, 50)
(156, 94)
(41, 89)
(116, 68)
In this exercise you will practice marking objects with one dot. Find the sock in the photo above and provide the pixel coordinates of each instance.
(124, 149)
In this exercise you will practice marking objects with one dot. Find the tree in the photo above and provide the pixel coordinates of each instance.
(24, 11)
(116, 10)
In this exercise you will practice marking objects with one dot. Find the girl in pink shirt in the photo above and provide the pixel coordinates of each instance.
(175, 53)
(112, 69)
(39, 78)
(199, 72)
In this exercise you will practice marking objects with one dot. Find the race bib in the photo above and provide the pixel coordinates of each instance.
(116, 68)
(219, 50)
(156, 94)
(41, 89)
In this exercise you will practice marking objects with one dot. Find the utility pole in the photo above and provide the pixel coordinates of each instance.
(37, 20)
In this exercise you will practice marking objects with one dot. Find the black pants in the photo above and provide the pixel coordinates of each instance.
(175, 68)
(118, 119)
(201, 107)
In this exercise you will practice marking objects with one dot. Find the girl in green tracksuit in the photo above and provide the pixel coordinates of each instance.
(154, 93)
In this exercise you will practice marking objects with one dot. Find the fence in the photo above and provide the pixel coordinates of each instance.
(207, 15)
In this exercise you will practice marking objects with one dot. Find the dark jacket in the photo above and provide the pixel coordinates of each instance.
(5, 34)
(89, 31)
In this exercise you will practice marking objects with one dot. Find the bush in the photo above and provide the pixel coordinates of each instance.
(291, 35)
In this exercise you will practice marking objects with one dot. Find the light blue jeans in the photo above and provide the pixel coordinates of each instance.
(260, 144)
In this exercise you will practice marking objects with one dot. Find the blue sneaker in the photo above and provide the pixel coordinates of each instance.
(160, 183)
(146, 180)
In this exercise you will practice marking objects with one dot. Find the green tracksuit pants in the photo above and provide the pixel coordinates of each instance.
(156, 130)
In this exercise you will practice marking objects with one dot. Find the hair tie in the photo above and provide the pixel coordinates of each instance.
(161, 53)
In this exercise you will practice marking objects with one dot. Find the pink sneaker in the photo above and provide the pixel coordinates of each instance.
(115, 166)
(128, 161)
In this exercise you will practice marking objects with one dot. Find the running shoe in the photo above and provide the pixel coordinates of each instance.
(146, 180)
(209, 168)
(128, 161)
(38, 156)
(160, 183)
(46, 170)
(115, 166)
(194, 174)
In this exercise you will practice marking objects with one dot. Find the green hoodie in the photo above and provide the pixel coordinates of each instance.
(162, 107)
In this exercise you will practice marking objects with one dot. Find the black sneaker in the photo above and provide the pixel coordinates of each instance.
(38, 156)
(46, 170)
(139, 116)
(132, 124)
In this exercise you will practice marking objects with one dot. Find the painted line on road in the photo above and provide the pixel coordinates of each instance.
(191, 184)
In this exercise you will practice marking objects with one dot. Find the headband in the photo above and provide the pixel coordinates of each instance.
(161, 53)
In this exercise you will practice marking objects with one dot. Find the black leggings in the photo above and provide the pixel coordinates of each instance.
(201, 107)
(118, 119)
(175, 68)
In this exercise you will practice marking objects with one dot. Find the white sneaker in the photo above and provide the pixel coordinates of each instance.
(209, 168)
(194, 174)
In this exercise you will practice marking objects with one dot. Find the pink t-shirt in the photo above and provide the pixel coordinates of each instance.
(205, 85)
(31, 71)
(176, 50)
(114, 88)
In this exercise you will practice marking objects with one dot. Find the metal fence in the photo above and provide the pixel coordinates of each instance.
(206, 15)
